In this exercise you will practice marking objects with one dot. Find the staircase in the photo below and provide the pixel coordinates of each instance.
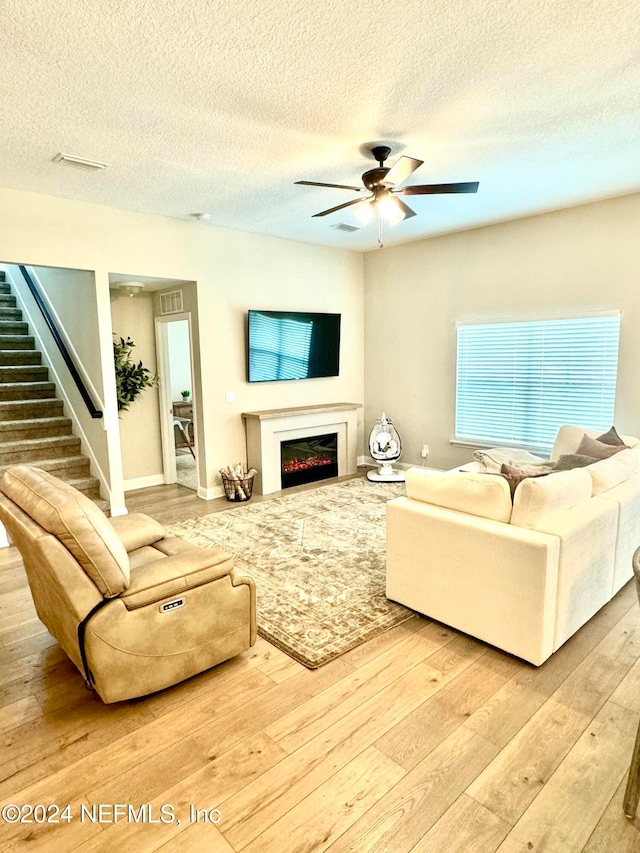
(33, 430)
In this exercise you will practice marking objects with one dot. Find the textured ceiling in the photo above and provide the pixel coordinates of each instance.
(220, 106)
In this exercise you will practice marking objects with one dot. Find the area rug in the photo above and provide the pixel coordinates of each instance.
(318, 561)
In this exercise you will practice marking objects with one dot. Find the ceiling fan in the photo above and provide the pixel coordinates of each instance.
(383, 186)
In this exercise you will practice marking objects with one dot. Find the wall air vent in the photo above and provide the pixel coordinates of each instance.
(80, 162)
(171, 303)
(343, 226)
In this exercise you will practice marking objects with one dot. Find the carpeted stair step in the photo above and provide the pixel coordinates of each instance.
(33, 429)
(33, 449)
(19, 342)
(29, 428)
(9, 313)
(27, 390)
(14, 357)
(89, 486)
(14, 410)
(13, 327)
(67, 468)
(23, 373)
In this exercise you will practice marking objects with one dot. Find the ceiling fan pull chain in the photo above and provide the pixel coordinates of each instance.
(380, 243)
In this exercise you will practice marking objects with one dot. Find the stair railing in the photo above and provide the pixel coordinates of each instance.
(94, 411)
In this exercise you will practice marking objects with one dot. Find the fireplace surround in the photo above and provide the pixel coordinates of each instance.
(268, 429)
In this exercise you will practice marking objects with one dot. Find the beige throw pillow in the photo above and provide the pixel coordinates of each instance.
(573, 460)
(593, 447)
(611, 437)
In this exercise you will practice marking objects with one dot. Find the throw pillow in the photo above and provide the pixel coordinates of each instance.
(593, 447)
(514, 475)
(573, 460)
(611, 437)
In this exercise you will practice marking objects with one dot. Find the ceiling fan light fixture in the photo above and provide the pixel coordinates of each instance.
(364, 212)
(389, 209)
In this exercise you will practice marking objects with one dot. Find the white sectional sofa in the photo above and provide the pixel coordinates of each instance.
(523, 575)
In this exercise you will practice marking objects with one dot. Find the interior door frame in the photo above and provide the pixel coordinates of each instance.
(166, 402)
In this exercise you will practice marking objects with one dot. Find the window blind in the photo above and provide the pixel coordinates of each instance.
(518, 382)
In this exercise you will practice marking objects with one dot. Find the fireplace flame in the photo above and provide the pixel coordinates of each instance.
(309, 462)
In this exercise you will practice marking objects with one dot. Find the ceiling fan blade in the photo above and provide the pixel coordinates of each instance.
(401, 170)
(404, 208)
(333, 186)
(437, 189)
(339, 207)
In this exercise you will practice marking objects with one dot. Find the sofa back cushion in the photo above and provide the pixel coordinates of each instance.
(75, 520)
(485, 495)
(569, 437)
(607, 473)
(541, 497)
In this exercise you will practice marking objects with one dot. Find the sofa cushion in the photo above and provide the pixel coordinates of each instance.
(75, 520)
(592, 447)
(136, 530)
(607, 473)
(485, 495)
(542, 497)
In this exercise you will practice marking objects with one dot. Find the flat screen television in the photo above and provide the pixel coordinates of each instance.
(292, 345)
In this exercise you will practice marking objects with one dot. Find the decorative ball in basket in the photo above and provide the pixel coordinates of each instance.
(238, 484)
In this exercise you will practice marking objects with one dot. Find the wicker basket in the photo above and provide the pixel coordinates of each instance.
(239, 489)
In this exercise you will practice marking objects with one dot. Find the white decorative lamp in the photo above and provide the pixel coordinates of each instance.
(385, 447)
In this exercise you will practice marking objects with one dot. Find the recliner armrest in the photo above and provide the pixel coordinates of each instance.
(137, 530)
(172, 575)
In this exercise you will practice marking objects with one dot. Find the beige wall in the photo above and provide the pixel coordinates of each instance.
(583, 259)
(66, 289)
(140, 424)
(234, 271)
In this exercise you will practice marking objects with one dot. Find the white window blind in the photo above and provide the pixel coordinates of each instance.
(518, 382)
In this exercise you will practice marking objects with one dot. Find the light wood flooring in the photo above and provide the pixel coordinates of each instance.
(422, 739)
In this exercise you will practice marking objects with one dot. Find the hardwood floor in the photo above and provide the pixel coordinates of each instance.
(422, 739)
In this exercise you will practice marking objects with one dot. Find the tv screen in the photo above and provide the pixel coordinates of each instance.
(292, 345)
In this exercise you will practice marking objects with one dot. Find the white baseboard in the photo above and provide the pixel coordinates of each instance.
(210, 494)
(143, 482)
(370, 463)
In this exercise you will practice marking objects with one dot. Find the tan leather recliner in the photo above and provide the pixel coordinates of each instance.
(135, 610)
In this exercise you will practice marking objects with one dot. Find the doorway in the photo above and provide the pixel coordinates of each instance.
(175, 370)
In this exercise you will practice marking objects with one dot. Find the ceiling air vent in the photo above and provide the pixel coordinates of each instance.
(171, 303)
(80, 162)
(343, 226)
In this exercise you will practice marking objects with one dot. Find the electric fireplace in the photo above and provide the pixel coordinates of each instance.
(307, 460)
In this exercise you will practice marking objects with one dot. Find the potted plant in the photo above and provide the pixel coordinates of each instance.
(131, 376)
(186, 395)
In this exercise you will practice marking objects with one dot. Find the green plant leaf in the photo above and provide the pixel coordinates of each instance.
(131, 377)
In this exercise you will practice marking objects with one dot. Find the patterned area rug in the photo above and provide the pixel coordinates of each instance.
(318, 561)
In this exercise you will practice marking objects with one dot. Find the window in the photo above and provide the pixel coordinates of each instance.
(518, 382)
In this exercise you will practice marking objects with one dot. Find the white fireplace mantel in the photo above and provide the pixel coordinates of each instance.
(266, 430)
